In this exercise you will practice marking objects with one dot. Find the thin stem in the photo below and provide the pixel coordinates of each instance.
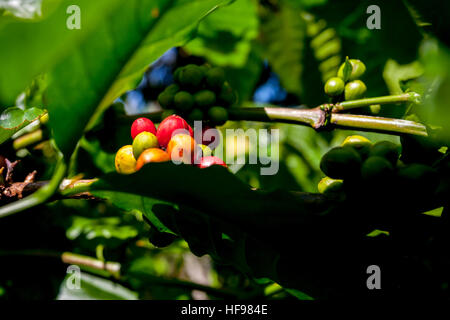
(400, 98)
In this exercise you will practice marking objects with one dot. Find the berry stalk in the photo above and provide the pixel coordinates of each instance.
(400, 98)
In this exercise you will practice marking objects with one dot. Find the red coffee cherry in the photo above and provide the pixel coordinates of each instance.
(140, 125)
(206, 162)
(168, 127)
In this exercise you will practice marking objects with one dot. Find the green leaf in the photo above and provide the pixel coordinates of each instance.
(259, 225)
(100, 228)
(94, 288)
(13, 119)
(224, 37)
(25, 9)
(282, 37)
(347, 71)
(93, 66)
(394, 74)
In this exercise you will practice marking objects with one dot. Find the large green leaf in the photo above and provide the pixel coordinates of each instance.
(217, 214)
(92, 66)
(13, 119)
(283, 35)
(224, 37)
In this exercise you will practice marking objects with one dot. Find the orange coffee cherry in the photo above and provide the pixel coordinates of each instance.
(181, 148)
(151, 155)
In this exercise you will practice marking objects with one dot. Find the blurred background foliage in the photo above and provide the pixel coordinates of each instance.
(274, 52)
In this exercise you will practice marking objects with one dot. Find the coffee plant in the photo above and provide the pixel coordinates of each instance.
(115, 153)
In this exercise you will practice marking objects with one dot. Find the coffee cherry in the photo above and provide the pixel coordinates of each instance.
(201, 151)
(334, 86)
(181, 148)
(341, 163)
(125, 162)
(168, 127)
(173, 89)
(176, 74)
(210, 137)
(361, 144)
(183, 101)
(195, 114)
(151, 155)
(165, 99)
(386, 149)
(227, 95)
(190, 76)
(142, 124)
(206, 151)
(204, 98)
(206, 162)
(376, 168)
(355, 90)
(358, 69)
(328, 185)
(215, 78)
(144, 140)
(218, 115)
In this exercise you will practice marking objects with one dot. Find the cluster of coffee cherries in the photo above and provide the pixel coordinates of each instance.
(172, 140)
(346, 85)
(359, 164)
(199, 93)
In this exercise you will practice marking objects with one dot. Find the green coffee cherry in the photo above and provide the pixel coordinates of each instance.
(358, 69)
(218, 115)
(195, 114)
(183, 101)
(190, 76)
(385, 149)
(334, 86)
(165, 99)
(361, 144)
(355, 90)
(176, 74)
(376, 168)
(215, 78)
(144, 140)
(328, 185)
(204, 98)
(341, 163)
(227, 95)
(205, 150)
(173, 88)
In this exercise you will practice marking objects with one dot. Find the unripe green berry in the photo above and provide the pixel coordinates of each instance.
(227, 95)
(167, 112)
(218, 115)
(358, 69)
(329, 185)
(376, 168)
(334, 86)
(195, 114)
(361, 144)
(215, 78)
(355, 90)
(190, 76)
(173, 88)
(341, 163)
(165, 99)
(388, 150)
(204, 98)
(183, 101)
(144, 140)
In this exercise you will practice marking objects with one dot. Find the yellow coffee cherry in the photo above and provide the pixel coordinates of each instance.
(125, 161)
